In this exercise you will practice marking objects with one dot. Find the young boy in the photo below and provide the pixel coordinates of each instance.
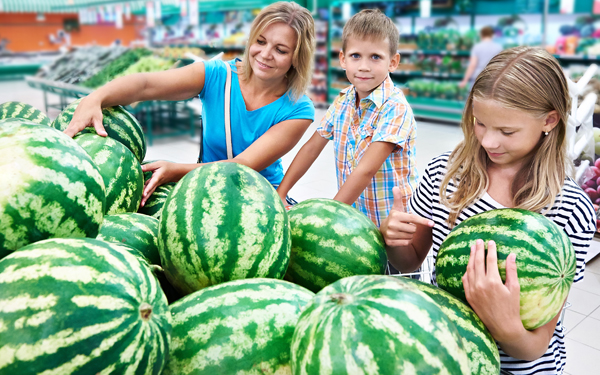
(370, 122)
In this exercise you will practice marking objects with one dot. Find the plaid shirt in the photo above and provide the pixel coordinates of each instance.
(383, 116)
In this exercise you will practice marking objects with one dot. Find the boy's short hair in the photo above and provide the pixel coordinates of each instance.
(371, 24)
(486, 31)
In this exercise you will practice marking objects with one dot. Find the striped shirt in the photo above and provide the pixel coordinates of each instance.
(383, 116)
(572, 211)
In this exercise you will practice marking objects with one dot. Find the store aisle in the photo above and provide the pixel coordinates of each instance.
(582, 318)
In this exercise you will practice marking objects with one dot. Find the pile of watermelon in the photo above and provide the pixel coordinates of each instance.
(213, 275)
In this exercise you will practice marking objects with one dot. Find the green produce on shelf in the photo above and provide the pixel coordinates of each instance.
(148, 64)
(436, 89)
(116, 67)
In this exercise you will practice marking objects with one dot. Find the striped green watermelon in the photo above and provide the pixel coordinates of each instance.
(375, 324)
(49, 186)
(222, 221)
(156, 200)
(135, 230)
(332, 240)
(545, 259)
(238, 327)
(120, 125)
(484, 358)
(80, 306)
(24, 111)
(120, 170)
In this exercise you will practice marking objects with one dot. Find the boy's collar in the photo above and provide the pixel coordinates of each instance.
(378, 96)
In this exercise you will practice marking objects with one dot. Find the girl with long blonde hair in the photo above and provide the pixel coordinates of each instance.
(513, 156)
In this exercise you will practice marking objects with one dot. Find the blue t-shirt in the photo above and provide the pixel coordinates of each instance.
(246, 126)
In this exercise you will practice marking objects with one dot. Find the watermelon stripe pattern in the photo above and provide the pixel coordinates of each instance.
(222, 221)
(332, 240)
(545, 259)
(375, 325)
(120, 170)
(50, 187)
(23, 111)
(135, 230)
(238, 327)
(119, 124)
(156, 201)
(484, 358)
(80, 306)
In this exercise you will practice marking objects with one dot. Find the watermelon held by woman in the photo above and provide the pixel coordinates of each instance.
(375, 324)
(49, 187)
(156, 200)
(222, 222)
(237, 327)
(332, 240)
(480, 346)
(121, 172)
(119, 124)
(546, 263)
(23, 111)
(81, 306)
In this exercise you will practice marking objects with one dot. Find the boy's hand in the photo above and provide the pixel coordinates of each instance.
(399, 227)
(495, 302)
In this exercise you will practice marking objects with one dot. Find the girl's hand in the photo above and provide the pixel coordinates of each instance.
(87, 113)
(399, 227)
(162, 173)
(496, 303)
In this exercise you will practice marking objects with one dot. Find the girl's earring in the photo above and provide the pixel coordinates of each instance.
(545, 133)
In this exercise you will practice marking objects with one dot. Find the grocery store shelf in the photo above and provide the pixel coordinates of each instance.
(436, 109)
(434, 52)
(579, 57)
(17, 71)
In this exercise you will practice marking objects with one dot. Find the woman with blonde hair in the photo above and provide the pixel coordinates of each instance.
(268, 112)
(513, 155)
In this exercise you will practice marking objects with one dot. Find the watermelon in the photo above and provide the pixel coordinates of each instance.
(49, 187)
(222, 221)
(479, 344)
(135, 230)
(119, 124)
(80, 306)
(121, 172)
(375, 324)
(23, 111)
(332, 240)
(157, 199)
(237, 327)
(545, 259)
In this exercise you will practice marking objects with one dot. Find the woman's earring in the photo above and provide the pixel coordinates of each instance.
(545, 133)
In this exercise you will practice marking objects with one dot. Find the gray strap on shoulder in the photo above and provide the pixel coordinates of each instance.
(228, 113)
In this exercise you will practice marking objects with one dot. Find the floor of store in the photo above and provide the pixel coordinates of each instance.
(582, 319)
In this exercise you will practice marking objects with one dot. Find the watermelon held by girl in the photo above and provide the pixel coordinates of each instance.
(545, 259)
(332, 240)
(222, 222)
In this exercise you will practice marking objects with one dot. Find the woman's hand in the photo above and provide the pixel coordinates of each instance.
(162, 173)
(496, 303)
(87, 113)
(399, 228)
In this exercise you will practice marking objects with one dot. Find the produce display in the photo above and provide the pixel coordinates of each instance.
(377, 323)
(222, 222)
(116, 67)
(118, 123)
(79, 65)
(121, 172)
(484, 358)
(81, 306)
(332, 240)
(147, 64)
(545, 259)
(192, 286)
(50, 186)
(23, 111)
(238, 327)
(437, 89)
(135, 230)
